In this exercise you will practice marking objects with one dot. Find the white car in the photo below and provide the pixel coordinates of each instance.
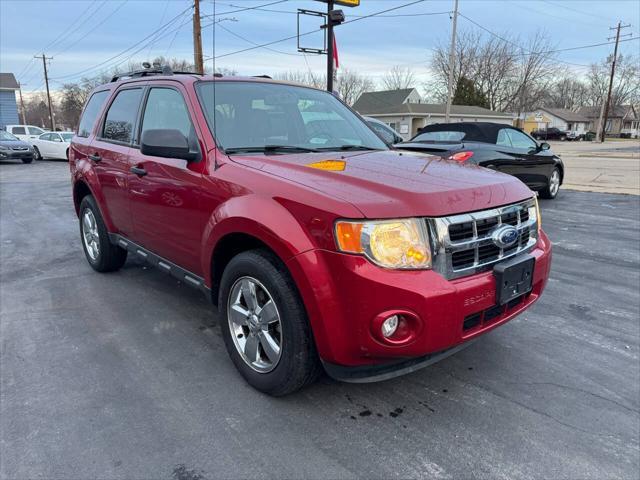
(52, 145)
(26, 133)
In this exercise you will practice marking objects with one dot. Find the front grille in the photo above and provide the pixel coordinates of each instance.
(19, 149)
(465, 244)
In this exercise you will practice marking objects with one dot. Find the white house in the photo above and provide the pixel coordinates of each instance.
(405, 111)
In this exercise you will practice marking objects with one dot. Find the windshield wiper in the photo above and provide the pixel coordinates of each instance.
(348, 147)
(269, 149)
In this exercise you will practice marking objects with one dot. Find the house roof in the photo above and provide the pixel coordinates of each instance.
(8, 82)
(370, 101)
(566, 115)
(619, 111)
(423, 109)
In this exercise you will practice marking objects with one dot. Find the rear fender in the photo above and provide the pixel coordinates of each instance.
(88, 177)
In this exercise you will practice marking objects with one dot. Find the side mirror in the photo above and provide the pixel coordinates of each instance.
(166, 143)
(545, 146)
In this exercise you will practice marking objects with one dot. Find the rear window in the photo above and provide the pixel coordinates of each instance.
(121, 116)
(444, 136)
(18, 131)
(91, 111)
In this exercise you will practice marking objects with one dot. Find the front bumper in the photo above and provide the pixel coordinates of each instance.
(16, 154)
(344, 294)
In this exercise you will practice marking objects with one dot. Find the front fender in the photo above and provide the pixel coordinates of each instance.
(260, 217)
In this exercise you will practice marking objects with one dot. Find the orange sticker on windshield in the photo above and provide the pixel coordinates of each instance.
(331, 165)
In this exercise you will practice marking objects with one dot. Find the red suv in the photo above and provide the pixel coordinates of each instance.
(320, 245)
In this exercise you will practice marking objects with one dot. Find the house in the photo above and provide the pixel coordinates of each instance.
(8, 105)
(405, 111)
(560, 118)
(622, 120)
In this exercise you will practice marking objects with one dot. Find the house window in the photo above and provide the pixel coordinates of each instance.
(392, 125)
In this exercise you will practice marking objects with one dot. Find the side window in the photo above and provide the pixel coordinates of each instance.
(35, 131)
(166, 109)
(503, 138)
(385, 134)
(46, 136)
(121, 116)
(91, 112)
(18, 131)
(55, 137)
(520, 140)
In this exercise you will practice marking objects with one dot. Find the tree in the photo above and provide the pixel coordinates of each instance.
(71, 103)
(399, 78)
(467, 94)
(350, 85)
(626, 83)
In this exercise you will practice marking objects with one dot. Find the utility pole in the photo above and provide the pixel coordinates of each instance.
(23, 115)
(198, 61)
(452, 59)
(604, 117)
(52, 122)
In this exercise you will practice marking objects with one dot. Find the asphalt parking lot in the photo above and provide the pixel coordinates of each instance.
(125, 375)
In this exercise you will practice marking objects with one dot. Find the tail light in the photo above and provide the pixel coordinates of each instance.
(461, 156)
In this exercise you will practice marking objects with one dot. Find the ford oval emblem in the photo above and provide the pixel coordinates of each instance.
(505, 236)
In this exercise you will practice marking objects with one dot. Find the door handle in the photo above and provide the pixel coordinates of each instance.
(141, 172)
(95, 158)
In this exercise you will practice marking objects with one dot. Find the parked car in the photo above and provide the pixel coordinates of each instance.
(25, 132)
(320, 250)
(384, 131)
(495, 146)
(52, 145)
(12, 148)
(552, 133)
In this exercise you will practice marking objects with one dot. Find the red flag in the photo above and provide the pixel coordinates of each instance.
(335, 53)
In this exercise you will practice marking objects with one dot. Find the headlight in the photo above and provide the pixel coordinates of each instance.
(535, 210)
(401, 244)
(2, 147)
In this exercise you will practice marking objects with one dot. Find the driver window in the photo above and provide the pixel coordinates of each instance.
(520, 140)
(166, 110)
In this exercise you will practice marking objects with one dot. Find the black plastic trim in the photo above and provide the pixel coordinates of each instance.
(377, 373)
(161, 263)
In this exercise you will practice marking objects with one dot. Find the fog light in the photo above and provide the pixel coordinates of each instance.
(389, 326)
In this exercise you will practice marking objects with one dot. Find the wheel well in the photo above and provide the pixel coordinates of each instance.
(561, 174)
(80, 190)
(228, 247)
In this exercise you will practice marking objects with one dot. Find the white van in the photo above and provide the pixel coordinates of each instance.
(26, 133)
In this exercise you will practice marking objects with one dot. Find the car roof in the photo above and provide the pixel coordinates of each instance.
(486, 132)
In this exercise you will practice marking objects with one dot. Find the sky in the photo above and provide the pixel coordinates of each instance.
(86, 37)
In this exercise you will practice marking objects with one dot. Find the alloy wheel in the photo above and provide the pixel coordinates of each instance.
(90, 234)
(254, 324)
(554, 183)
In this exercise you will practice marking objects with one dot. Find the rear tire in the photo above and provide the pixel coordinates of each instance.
(553, 185)
(275, 371)
(101, 254)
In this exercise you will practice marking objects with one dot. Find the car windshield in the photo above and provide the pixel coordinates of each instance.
(275, 118)
(66, 137)
(6, 136)
(443, 136)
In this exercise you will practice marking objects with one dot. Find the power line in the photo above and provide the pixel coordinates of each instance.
(573, 10)
(152, 34)
(244, 9)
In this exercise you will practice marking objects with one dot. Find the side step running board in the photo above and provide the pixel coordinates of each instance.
(166, 266)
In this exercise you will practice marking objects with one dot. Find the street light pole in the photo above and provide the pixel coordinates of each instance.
(329, 47)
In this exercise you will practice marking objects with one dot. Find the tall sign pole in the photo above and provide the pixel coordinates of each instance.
(452, 60)
(52, 123)
(198, 60)
(329, 46)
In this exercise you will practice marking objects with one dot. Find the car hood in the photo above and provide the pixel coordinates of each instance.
(391, 184)
(13, 143)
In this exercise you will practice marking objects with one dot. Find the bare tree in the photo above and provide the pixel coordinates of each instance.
(566, 91)
(351, 85)
(626, 82)
(399, 78)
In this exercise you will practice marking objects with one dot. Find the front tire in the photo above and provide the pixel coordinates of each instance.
(265, 326)
(553, 185)
(101, 254)
(37, 153)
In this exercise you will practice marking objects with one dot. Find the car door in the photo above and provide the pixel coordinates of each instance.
(507, 158)
(110, 154)
(166, 193)
(58, 146)
(43, 144)
(33, 133)
(535, 164)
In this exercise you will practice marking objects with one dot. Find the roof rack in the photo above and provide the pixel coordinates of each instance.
(166, 70)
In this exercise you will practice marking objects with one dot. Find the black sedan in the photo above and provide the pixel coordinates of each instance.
(12, 148)
(496, 146)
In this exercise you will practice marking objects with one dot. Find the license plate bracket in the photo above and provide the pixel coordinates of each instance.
(513, 278)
